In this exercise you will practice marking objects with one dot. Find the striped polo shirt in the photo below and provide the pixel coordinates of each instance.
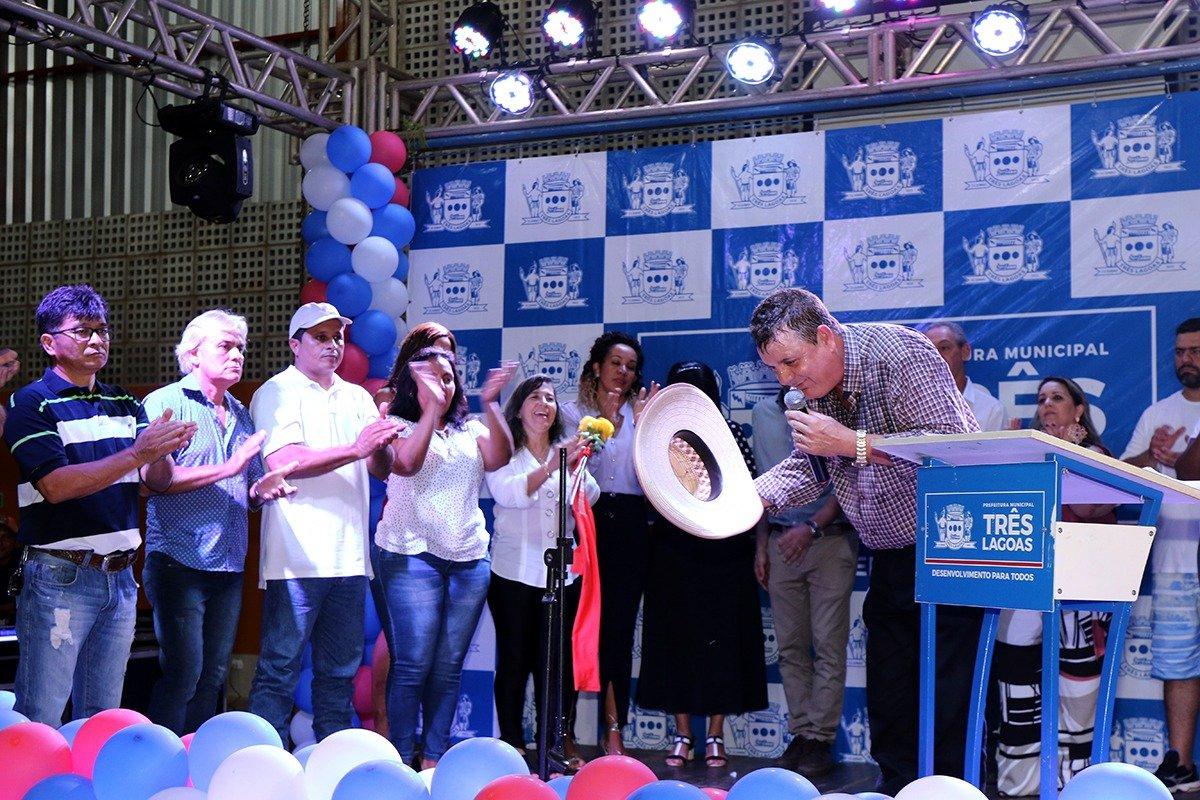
(53, 423)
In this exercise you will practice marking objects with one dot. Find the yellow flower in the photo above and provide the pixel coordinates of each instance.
(606, 428)
(586, 423)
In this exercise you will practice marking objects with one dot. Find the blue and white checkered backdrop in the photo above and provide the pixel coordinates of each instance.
(1059, 237)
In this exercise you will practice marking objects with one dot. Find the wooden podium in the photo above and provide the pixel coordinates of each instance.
(990, 534)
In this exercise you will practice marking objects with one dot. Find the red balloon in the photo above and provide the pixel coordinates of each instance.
(716, 794)
(388, 149)
(609, 778)
(401, 197)
(31, 751)
(95, 732)
(313, 291)
(373, 385)
(362, 701)
(517, 787)
(354, 364)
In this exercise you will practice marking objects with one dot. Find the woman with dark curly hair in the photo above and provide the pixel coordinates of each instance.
(610, 385)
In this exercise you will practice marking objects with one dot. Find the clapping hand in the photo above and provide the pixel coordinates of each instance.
(432, 395)
(497, 379)
(274, 485)
(162, 437)
(643, 397)
(246, 451)
(379, 433)
(1162, 445)
(10, 365)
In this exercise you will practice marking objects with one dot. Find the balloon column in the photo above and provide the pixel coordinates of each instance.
(355, 237)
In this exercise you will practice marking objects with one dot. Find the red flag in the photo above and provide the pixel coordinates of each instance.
(585, 635)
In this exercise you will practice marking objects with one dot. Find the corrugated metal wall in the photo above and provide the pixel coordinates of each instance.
(74, 146)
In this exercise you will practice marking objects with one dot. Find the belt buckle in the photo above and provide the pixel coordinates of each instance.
(107, 558)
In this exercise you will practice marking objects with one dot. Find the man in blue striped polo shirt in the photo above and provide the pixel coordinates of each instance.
(81, 446)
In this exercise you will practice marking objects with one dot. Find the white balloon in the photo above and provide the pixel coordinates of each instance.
(301, 729)
(838, 796)
(389, 296)
(179, 793)
(349, 220)
(341, 752)
(258, 772)
(401, 329)
(324, 185)
(375, 259)
(312, 151)
(427, 776)
(940, 787)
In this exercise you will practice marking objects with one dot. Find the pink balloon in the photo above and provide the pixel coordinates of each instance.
(187, 740)
(31, 751)
(388, 149)
(362, 690)
(609, 778)
(517, 787)
(95, 732)
(716, 794)
(373, 385)
(368, 723)
(379, 652)
(401, 197)
(354, 365)
(313, 291)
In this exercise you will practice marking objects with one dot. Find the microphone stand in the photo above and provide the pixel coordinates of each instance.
(558, 560)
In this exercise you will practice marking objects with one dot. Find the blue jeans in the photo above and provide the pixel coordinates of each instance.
(74, 631)
(195, 620)
(329, 611)
(432, 608)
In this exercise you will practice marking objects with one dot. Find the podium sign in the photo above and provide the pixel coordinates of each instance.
(986, 535)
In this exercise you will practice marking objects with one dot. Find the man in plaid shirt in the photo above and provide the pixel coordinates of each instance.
(867, 382)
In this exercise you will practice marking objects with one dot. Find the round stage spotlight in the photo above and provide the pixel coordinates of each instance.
(477, 30)
(839, 6)
(566, 22)
(751, 62)
(663, 19)
(999, 30)
(512, 92)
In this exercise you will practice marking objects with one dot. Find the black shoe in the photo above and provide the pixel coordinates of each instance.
(1175, 777)
(817, 761)
(796, 749)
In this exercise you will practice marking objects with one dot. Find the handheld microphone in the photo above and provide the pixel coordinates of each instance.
(796, 401)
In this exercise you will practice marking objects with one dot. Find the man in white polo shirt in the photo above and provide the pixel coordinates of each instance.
(951, 342)
(314, 562)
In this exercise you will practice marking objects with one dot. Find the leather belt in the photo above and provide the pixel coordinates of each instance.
(113, 562)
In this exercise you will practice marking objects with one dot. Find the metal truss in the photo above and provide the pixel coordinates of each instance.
(890, 63)
(177, 48)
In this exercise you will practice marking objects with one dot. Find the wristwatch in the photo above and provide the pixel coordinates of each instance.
(817, 533)
(860, 448)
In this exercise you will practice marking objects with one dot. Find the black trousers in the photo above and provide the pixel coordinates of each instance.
(520, 618)
(623, 550)
(893, 620)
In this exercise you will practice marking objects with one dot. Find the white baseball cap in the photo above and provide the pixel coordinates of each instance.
(311, 314)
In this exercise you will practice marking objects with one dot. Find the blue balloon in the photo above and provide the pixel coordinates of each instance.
(560, 784)
(1115, 781)
(374, 184)
(773, 783)
(396, 224)
(71, 728)
(380, 366)
(68, 786)
(138, 762)
(401, 273)
(371, 624)
(378, 488)
(668, 790)
(314, 227)
(374, 779)
(375, 332)
(221, 737)
(8, 700)
(303, 753)
(872, 796)
(472, 764)
(327, 258)
(306, 657)
(10, 717)
(303, 693)
(349, 294)
(349, 148)
(376, 513)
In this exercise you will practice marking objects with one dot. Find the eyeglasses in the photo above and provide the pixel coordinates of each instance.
(83, 334)
(1192, 353)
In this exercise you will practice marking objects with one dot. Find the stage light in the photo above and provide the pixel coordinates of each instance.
(477, 30)
(751, 61)
(566, 22)
(839, 6)
(999, 30)
(663, 19)
(512, 92)
(210, 169)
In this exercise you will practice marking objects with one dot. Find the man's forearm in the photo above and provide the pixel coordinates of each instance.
(80, 480)
(312, 462)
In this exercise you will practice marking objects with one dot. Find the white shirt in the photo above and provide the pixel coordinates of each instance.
(1178, 525)
(527, 525)
(436, 511)
(321, 531)
(613, 466)
(989, 412)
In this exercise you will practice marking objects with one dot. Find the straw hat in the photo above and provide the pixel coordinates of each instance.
(690, 467)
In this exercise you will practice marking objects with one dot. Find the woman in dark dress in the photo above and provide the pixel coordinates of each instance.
(702, 639)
